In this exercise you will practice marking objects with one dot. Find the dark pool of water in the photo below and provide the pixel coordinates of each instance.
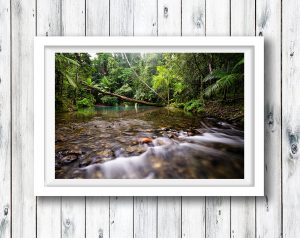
(146, 142)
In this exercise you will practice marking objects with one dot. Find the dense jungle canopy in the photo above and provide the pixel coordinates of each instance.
(191, 81)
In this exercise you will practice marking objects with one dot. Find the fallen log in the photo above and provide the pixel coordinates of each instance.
(123, 97)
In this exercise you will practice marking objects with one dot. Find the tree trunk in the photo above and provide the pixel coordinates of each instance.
(123, 97)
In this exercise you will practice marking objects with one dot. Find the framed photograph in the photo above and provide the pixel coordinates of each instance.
(149, 116)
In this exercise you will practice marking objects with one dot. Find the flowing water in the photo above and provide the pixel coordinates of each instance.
(146, 142)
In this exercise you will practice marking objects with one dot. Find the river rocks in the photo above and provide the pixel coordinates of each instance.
(105, 153)
(136, 149)
(145, 140)
(69, 159)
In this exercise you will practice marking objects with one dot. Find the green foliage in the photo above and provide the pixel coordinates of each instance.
(108, 100)
(194, 105)
(125, 90)
(86, 102)
(182, 80)
(225, 80)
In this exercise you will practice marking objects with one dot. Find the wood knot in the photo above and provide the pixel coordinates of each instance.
(260, 33)
(198, 23)
(293, 141)
(292, 54)
(166, 12)
(270, 120)
(6, 210)
(294, 148)
(100, 233)
(68, 222)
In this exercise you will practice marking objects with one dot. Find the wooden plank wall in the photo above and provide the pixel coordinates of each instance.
(274, 215)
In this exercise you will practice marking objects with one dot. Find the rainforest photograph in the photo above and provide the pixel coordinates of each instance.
(148, 115)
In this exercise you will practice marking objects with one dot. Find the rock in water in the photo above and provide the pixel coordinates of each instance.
(68, 159)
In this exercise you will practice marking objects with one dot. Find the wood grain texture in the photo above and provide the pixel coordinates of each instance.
(193, 17)
(73, 17)
(121, 217)
(48, 23)
(242, 208)
(97, 17)
(5, 120)
(48, 222)
(97, 217)
(145, 17)
(242, 18)
(217, 217)
(48, 20)
(73, 217)
(145, 217)
(169, 17)
(193, 217)
(268, 208)
(218, 17)
(23, 201)
(290, 117)
(218, 208)
(121, 17)
(169, 217)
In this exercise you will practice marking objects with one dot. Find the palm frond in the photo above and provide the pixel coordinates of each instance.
(71, 81)
(216, 74)
(237, 65)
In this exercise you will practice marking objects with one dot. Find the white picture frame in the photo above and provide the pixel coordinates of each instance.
(45, 183)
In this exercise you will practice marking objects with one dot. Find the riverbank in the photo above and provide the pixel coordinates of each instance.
(146, 142)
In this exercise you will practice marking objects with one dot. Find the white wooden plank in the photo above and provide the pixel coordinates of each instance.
(290, 117)
(218, 17)
(73, 209)
(193, 17)
(48, 217)
(121, 217)
(218, 208)
(242, 217)
(145, 208)
(49, 18)
(145, 215)
(97, 208)
(242, 18)
(242, 208)
(193, 217)
(193, 208)
(48, 208)
(169, 217)
(23, 200)
(121, 208)
(217, 217)
(97, 217)
(73, 217)
(5, 120)
(169, 17)
(169, 208)
(73, 17)
(145, 17)
(268, 208)
(121, 17)
(97, 17)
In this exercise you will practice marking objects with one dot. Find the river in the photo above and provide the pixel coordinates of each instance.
(146, 142)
